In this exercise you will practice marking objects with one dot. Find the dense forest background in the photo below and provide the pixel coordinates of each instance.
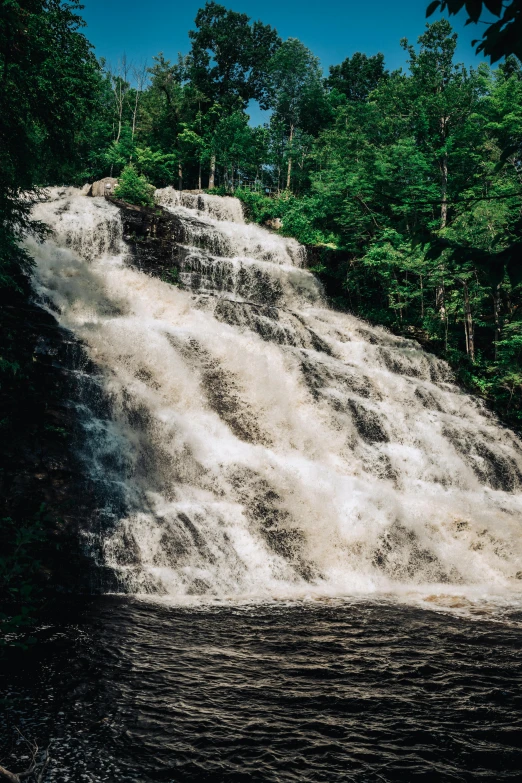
(405, 185)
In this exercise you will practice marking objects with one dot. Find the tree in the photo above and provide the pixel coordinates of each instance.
(357, 76)
(170, 104)
(443, 95)
(296, 89)
(120, 87)
(121, 151)
(141, 76)
(156, 166)
(49, 82)
(229, 57)
(238, 148)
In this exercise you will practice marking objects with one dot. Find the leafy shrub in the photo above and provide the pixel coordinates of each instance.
(303, 219)
(134, 188)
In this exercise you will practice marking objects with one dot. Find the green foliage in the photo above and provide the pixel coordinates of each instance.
(297, 215)
(501, 38)
(49, 87)
(296, 83)
(134, 188)
(357, 76)
(258, 207)
(229, 57)
(121, 152)
(156, 166)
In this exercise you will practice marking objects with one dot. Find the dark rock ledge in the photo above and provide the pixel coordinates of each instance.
(42, 475)
(153, 235)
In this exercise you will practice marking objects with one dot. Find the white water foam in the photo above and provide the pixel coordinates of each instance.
(217, 224)
(275, 448)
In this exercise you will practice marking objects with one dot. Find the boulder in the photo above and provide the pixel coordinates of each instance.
(104, 187)
(275, 223)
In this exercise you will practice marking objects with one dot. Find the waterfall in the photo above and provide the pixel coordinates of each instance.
(266, 445)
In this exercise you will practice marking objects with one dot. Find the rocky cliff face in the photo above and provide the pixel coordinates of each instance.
(41, 474)
(42, 471)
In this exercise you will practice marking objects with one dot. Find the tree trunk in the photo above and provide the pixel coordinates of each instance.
(135, 114)
(444, 203)
(289, 171)
(199, 176)
(440, 301)
(180, 177)
(470, 337)
(496, 313)
(444, 190)
(212, 175)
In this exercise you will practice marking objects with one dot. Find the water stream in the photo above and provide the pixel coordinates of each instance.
(261, 444)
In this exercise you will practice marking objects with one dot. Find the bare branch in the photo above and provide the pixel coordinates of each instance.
(34, 751)
(141, 76)
(45, 764)
(11, 777)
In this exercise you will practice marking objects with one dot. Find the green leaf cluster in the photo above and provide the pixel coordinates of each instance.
(134, 188)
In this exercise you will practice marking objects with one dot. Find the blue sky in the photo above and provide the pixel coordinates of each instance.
(332, 29)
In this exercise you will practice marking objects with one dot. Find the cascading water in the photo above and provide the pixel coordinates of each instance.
(267, 446)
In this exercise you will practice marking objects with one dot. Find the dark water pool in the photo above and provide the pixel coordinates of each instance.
(139, 692)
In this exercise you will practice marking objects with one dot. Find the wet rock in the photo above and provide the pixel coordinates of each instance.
(153, 235)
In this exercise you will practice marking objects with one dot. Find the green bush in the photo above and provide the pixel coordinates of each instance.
(258, 207)
(134, 188)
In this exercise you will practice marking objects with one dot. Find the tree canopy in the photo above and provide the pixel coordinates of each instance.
(229, 56)
(356, 77)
